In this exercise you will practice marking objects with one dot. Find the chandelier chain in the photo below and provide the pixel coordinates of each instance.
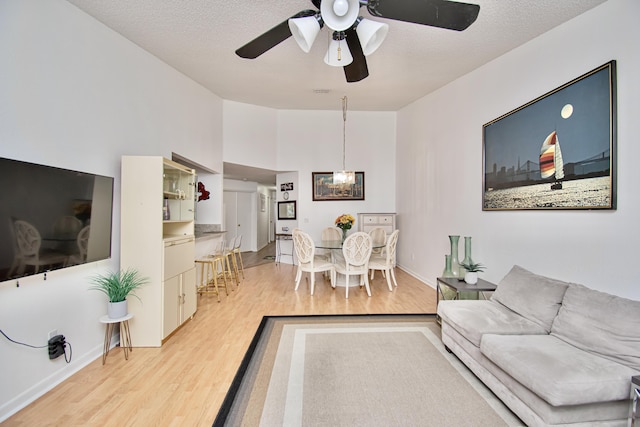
(344, 130)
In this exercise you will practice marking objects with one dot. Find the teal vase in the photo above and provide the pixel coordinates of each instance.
(344, 234)
(467, 255)
(455, 264)
(447, 267)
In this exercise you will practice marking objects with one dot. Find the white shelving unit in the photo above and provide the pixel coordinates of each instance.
(159, 244)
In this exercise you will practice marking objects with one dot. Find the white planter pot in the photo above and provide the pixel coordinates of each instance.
(116, 310)
(471, 277)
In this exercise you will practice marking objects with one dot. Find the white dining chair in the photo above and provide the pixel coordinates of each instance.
(385, 261)
(329, 233)
(308, 261)
(82, 242)
(28, 243)
(379, 237)
(356, 251)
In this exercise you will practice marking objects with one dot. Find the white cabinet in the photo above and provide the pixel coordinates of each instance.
(369, 221)
(160, 243)
(179, 284)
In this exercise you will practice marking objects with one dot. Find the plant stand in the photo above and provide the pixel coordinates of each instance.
(125, 336)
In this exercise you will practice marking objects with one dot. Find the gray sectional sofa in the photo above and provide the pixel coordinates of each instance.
(556, 353)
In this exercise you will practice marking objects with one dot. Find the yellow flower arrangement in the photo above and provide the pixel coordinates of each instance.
(345, 221)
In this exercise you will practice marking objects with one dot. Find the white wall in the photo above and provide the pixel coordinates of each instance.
(250, 135)
(75, 94)
(311, 141)
(439, 163)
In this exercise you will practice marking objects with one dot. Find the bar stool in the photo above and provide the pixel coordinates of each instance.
(209, 275)
(227, 271)
(238, 252)
(231, 256)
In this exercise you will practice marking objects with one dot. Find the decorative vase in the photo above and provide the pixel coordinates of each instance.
(471, 277)
(467, 255)
(344, 234)
(447, 267)
(455, 264)
(116, 310)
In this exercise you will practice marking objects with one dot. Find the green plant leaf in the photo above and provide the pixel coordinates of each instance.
(473, 267)
(118, 285)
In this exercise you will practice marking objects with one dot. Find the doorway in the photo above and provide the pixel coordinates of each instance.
(238, 213)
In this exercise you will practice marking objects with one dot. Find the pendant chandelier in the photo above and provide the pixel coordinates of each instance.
(344, 177)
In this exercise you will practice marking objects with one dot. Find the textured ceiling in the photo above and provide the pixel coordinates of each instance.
(199, 38)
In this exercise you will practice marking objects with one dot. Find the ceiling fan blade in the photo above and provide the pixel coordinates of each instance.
(271, 38)
(436, 13)
(357, 70)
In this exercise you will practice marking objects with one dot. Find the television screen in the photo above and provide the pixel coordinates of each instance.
(51, 218)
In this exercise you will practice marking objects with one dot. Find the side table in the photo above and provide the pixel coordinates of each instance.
(125, 336)
(635, 401)
(459, 286)
(279, 253)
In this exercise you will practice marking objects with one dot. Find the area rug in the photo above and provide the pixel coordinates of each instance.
(359, 370)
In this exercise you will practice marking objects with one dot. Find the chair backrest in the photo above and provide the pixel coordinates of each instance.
(391, 246)
(304, 246)
(238, 243)
(220, 248)
(331, 233)
(378, 237)
(67, 226)
(357, 249)
(83, 242)
(27, 237)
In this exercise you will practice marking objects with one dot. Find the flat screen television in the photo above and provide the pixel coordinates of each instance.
(51, 218)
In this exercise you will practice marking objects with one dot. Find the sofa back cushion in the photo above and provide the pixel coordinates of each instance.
(600, 323)
(532, 296)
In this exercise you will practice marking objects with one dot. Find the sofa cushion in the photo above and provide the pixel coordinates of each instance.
(556, 371)
(603, 324)
(535, 297)
(473, 318)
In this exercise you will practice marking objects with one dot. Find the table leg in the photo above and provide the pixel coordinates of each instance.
(635, 409)
(125, 339)
(107, 342)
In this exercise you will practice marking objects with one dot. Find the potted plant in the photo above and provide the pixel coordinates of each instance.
(472, 270)
(117, 286)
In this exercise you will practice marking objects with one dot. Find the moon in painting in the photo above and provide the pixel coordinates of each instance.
(566, 111)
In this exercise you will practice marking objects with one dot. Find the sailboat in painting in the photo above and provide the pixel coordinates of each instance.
(551, 160)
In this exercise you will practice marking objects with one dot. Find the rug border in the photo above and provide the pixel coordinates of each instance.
(225, 408)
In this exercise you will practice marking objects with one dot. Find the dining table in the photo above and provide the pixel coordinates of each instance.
(335, 247)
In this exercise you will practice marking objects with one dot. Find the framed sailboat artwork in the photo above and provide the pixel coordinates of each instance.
(557, 151)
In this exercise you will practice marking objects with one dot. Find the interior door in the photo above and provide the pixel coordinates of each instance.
(238, 214)
(244, 215)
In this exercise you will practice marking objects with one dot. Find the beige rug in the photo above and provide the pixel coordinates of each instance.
(377, 370)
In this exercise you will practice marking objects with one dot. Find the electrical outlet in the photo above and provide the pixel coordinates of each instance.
(52, 333)
(56, 346)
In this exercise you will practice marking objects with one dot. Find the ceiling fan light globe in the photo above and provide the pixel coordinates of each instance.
(371, 35)
(336, 17)
(335, 58)
(304, 31)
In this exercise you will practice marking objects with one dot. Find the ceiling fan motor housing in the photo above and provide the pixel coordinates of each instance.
(339, 14)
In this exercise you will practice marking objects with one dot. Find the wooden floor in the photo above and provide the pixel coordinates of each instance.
(184, 382)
